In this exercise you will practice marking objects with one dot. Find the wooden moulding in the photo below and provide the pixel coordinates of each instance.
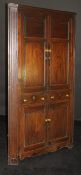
(12, 83)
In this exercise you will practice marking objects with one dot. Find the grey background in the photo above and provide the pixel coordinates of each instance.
(66, 5)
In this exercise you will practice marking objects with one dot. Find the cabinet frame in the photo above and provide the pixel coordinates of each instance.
(14, 101)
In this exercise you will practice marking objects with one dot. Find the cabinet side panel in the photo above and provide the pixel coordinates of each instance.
(72, 77)
(12, 84)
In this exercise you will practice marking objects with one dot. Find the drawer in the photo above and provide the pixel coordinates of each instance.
(58, 95)
(33, 98)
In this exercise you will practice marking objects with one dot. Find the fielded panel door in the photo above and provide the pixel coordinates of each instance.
(57, 123)
(61, 78)
(32, 43)
(60, 52)
(32, 75)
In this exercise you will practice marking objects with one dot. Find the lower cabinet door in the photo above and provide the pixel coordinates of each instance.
(39, 128)
(57, 123)
(32, 131)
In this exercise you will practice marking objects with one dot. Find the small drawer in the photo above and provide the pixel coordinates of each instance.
(34, 98)
(58, 95)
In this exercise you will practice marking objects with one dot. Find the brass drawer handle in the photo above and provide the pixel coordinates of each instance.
(42, 98)
(52, 97)
(67, 95)
(25, 100)
(48, 50)
(47, 120)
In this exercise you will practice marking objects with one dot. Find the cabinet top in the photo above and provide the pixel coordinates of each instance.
(34, 9)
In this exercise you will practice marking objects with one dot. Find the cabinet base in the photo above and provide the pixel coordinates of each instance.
(13, 161)
(38, 152)
(70, 146)
(44, 150)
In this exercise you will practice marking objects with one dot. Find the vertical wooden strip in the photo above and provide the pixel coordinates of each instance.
(12, 83)
(72, 78)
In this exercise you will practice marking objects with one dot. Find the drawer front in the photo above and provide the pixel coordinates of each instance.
(57, 96)
(34, 99)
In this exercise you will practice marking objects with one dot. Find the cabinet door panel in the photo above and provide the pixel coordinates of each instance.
(59, 59)
(34, 64)
(33, 55)
(59, 63)
(32, 129)
(34, 26)
(59, 28)
(58, 126)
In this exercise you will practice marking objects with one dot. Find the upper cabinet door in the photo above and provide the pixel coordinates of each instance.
(59, 60)
(33, 45)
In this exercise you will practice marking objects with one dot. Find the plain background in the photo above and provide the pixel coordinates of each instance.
(65, 5)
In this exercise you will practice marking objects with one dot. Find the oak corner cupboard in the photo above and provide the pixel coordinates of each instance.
(40, 81)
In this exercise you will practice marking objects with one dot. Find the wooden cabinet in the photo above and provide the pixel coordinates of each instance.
(40, 81)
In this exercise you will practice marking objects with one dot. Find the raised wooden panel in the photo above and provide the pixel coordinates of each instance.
(59, 63)
(33, 26)
(58, 126)
(34, 64)
(59, 28)
(34, 127)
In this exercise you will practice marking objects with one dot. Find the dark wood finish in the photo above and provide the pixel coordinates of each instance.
(59, 63)
(41, 77)
(57, 130)
(33, 129)
(34, 60)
